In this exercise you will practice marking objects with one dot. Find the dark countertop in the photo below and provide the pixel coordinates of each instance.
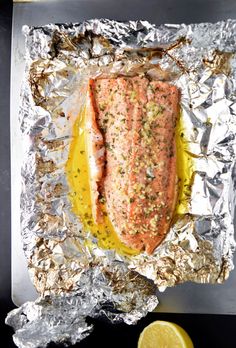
(205, 330)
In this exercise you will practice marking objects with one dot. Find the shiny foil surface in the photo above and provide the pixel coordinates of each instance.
(75, 277)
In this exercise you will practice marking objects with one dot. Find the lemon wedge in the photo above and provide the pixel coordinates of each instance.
(163, 334)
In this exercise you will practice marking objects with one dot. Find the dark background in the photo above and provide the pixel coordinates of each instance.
(218, 331)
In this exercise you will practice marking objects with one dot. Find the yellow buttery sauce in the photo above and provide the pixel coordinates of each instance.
(78, 178)
(185, 169)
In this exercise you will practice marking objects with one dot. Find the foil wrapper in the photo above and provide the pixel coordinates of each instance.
(79, 278)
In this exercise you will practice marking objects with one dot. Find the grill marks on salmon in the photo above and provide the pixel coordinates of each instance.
(133, 120)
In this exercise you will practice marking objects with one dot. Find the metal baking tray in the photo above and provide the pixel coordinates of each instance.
(186, 298)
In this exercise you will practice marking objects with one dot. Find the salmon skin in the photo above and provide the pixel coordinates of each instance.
(132, 149)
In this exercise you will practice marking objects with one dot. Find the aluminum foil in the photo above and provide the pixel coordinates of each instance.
(72, 274)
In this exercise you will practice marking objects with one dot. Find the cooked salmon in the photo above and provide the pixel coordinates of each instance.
(134, 120)
(96, 154)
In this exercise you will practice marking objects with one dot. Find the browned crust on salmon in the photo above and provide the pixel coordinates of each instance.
(137, 119)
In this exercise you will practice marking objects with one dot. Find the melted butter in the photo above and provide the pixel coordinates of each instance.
(185, 169)
(77, 170)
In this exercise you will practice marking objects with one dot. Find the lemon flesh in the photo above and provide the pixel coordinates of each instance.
(163, 334)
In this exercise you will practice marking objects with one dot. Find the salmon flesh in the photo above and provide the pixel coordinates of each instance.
(132, 156)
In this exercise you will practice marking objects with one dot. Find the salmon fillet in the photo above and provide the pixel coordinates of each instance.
(134, 119)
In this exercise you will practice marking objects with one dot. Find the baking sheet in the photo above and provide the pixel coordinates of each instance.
(207, 298)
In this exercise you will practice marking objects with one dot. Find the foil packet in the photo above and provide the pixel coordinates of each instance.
(72, 273)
